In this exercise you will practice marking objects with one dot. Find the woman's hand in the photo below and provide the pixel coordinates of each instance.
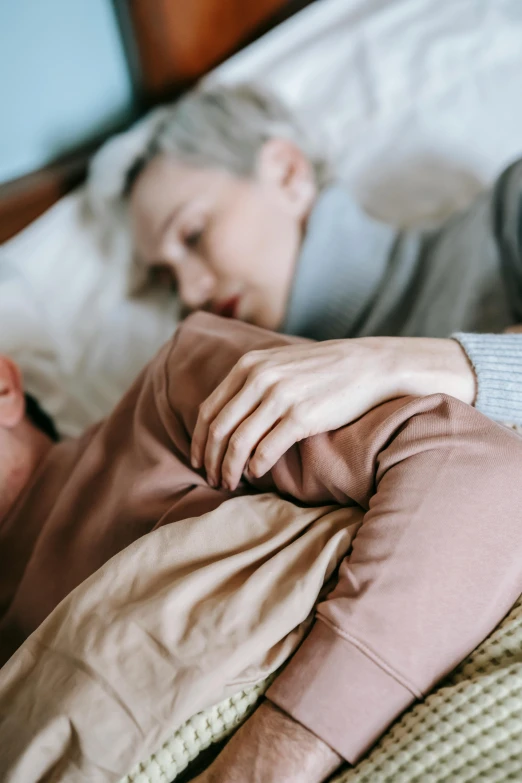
(273, 398)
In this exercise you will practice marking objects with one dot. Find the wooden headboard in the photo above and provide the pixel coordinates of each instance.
(170, 44)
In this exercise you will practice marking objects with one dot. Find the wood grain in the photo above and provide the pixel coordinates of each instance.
(178, 41)
(26, 198)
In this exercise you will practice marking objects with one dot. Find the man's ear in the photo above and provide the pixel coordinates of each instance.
(12, 399)
(281, 163)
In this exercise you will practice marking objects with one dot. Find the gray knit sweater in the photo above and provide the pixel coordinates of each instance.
(358, 277)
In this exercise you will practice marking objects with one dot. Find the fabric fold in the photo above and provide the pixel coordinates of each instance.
(329, 670)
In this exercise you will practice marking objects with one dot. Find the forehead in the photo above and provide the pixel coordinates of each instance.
(166, 185)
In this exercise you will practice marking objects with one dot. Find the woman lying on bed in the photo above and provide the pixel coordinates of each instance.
(431, 572)
(233, 199)
(429, 487)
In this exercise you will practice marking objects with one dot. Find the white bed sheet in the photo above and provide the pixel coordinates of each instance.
(418, 103)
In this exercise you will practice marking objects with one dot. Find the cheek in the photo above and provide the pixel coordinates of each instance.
(254, 244)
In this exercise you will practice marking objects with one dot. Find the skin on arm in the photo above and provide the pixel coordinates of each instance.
(272, 748)
(275, 397)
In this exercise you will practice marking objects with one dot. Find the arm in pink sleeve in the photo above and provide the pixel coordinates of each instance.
(435, 565)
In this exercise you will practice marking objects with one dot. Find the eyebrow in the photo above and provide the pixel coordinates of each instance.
(166, 223)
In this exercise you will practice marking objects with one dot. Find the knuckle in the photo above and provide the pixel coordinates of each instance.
(277, 398)
(273, 397)
(215, 430)
(297, 414)
(285, 391)
(248, 360)
(262, 455)
(204, 411)
(236, 443)
(256, 381)
(264, 376)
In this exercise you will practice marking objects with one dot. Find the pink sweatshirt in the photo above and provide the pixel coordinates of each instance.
(435, 565)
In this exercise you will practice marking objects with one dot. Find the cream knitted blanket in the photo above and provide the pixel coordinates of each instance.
(468, 729)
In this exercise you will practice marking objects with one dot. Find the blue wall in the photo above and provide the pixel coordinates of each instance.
(63, 79)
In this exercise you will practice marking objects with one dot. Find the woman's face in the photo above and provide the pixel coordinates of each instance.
(230, 243)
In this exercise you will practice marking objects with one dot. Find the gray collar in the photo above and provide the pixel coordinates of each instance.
(341, 265)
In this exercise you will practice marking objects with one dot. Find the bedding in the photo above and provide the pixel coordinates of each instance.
(469, 729)
(199, 607)
(418, 104)
(85, 696)
(173, 579)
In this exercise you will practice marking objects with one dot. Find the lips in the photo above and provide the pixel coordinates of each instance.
(228, 307)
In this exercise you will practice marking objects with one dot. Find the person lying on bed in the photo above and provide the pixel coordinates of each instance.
(233, 198)
(435, 564)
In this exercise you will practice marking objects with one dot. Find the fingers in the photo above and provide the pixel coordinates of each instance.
(276, 443)
(220, 431)
(252, 410)
(244, 440)
(221, 396)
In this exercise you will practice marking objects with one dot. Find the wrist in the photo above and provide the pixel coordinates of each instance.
(273, 748)
(435, 365)
(317, 760)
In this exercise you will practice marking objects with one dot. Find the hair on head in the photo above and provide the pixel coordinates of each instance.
(226, 126)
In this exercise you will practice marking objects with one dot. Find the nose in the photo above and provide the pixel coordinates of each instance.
(196, 283)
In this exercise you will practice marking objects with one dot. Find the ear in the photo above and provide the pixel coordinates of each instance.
(281, 163)
(12, 400)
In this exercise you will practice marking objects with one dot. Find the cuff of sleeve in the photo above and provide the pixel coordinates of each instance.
(497, 361)
(338, 693)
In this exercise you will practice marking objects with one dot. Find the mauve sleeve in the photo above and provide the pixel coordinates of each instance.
(436, 563)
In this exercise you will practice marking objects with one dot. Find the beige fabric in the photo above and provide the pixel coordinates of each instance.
(197, 734)
(189, 617)
(192, 611)
(468, 729)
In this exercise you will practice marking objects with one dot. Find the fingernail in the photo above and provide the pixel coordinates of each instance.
(194, 461)
(211, 482)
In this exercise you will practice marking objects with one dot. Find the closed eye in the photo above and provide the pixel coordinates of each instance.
(194, 238)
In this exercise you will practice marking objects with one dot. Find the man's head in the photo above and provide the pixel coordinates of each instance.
(221, 200)
(22, 442)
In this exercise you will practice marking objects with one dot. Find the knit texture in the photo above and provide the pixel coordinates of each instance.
(468, 729)
(497, 360)
(196, 735)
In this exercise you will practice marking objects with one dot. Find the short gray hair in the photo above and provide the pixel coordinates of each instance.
(226, 126)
